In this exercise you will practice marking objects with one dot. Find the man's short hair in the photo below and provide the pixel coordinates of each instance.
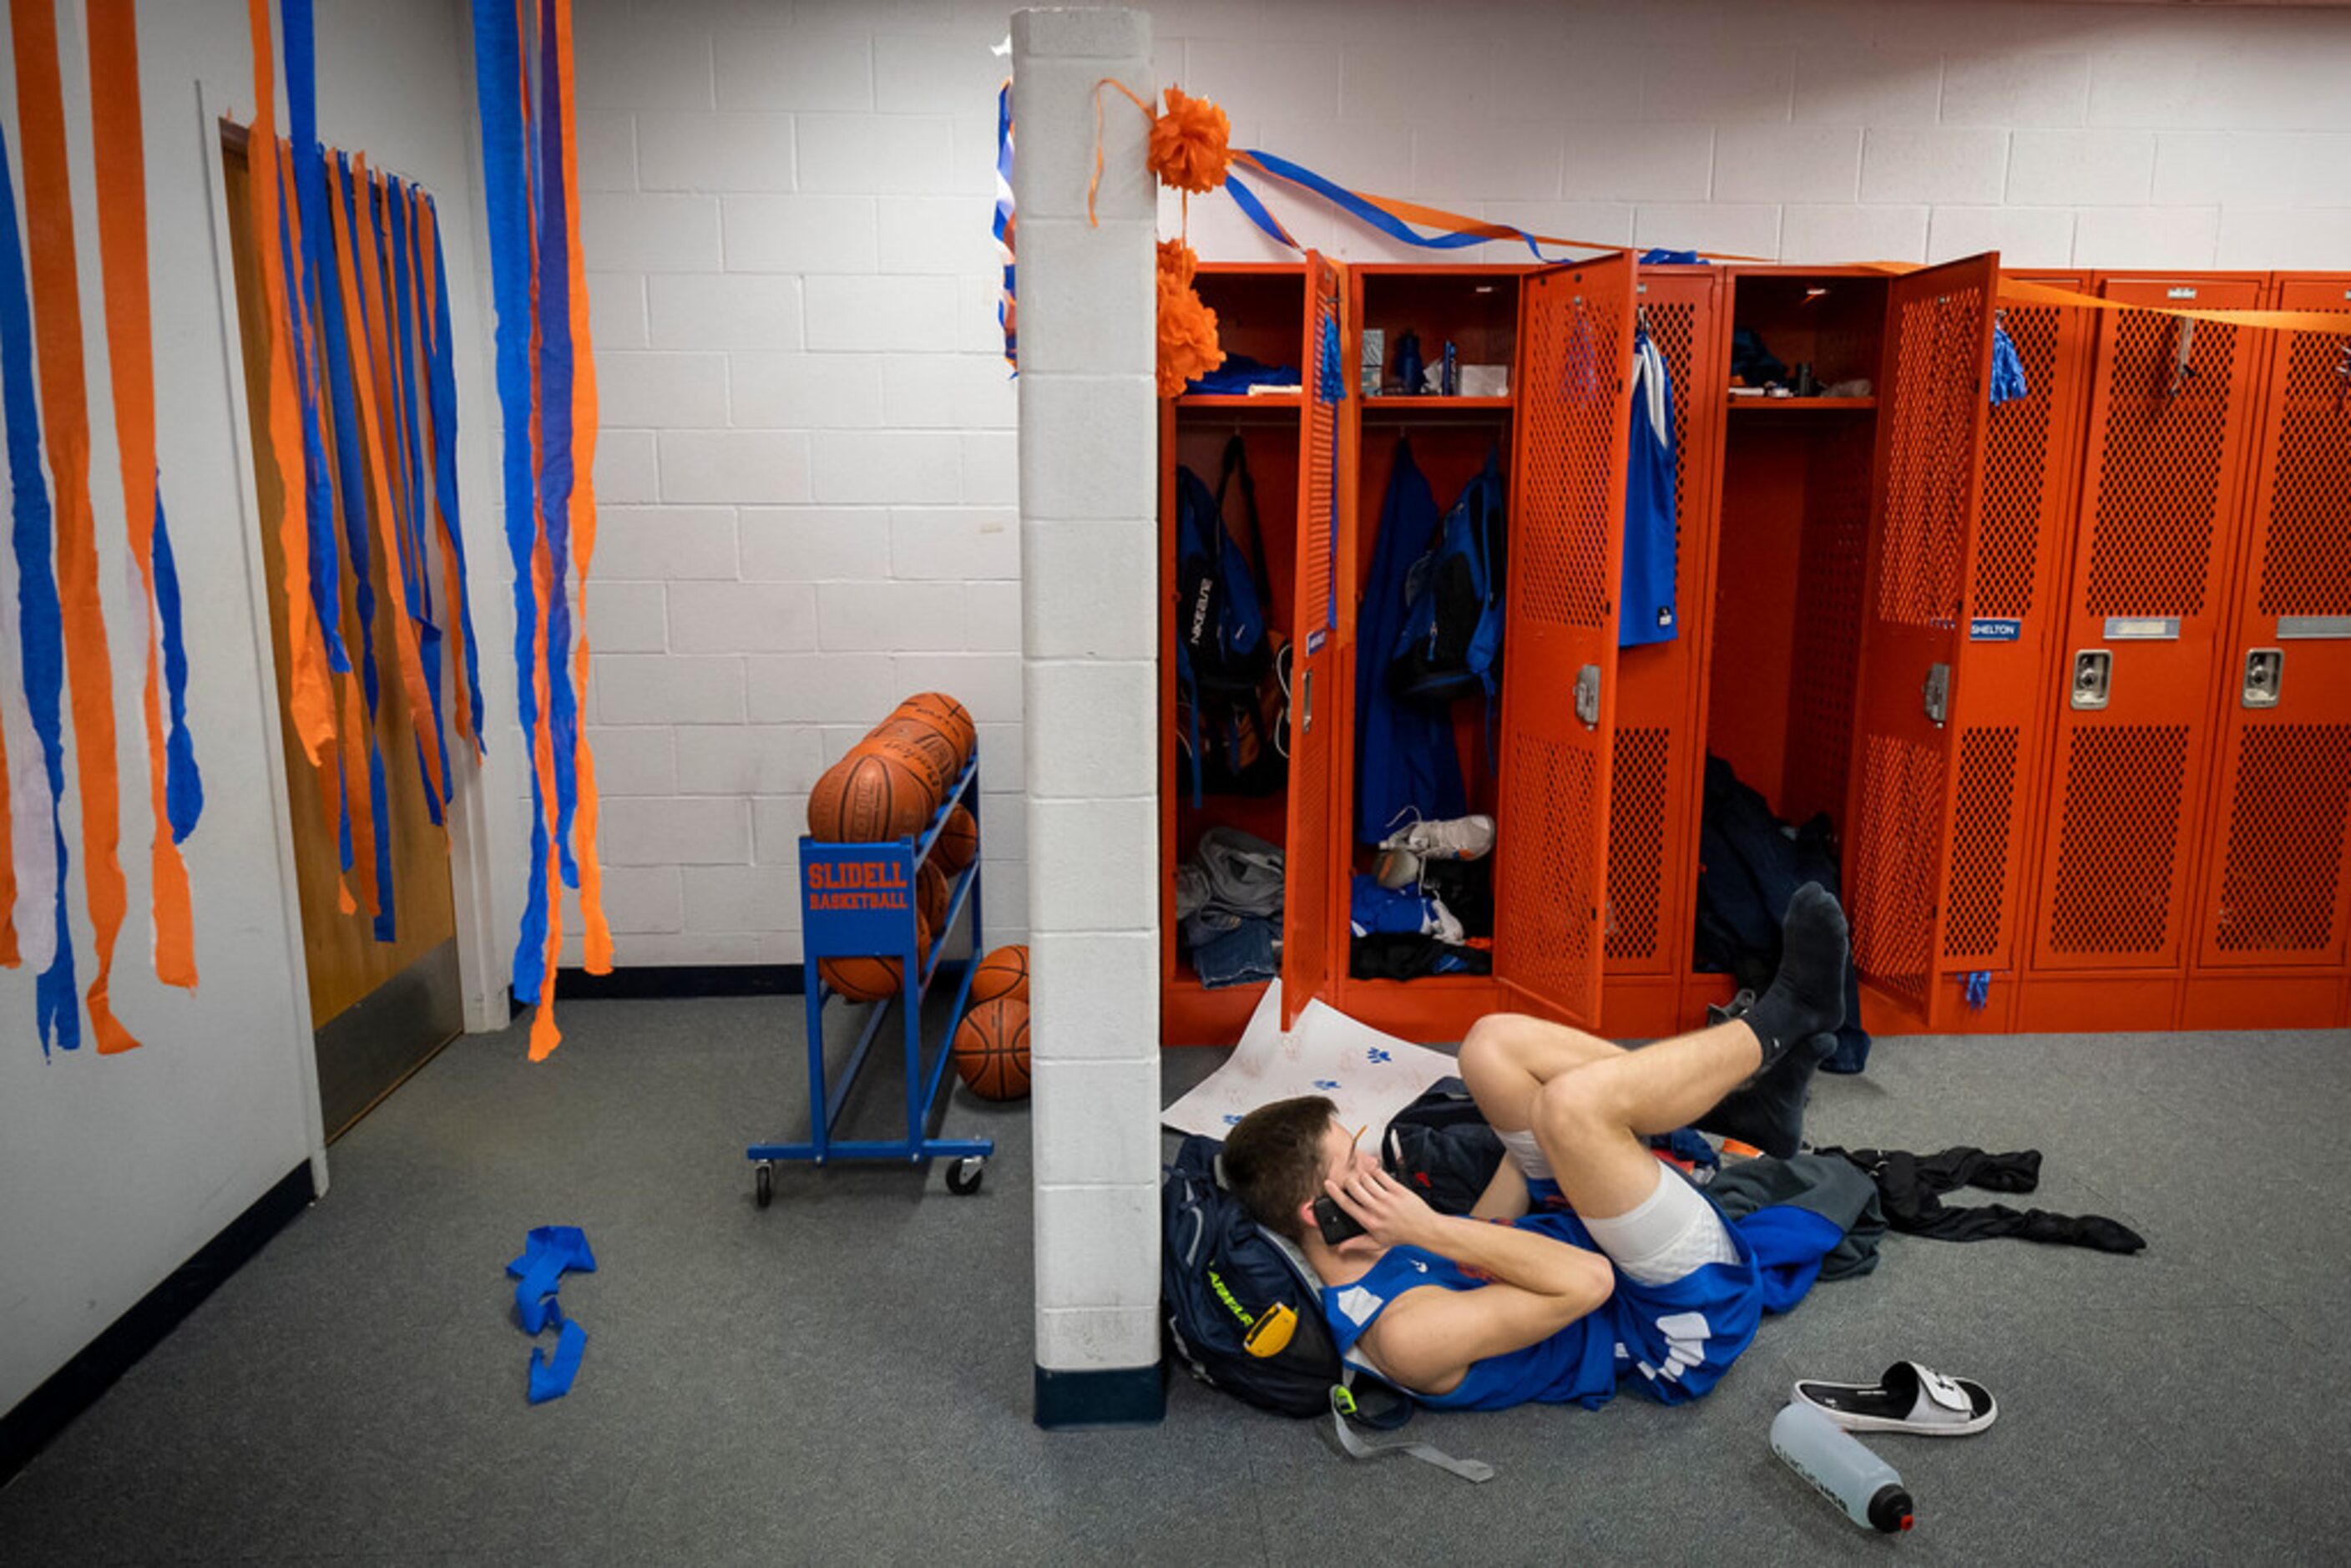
(1273, 1161)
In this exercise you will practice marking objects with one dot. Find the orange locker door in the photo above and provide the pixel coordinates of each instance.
(2000, 707)
(1567, 519)
(2146, 608)
(1318, 833)
(2275, 893)
(1922, 533)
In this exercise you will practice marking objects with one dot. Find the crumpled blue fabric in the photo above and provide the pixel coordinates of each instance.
(2007, 368)
(551, 1249)
(551, 1376)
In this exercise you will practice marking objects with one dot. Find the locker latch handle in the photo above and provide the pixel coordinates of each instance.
(2264, 672)
(1306, 702)
(1587, 696)
(1938, 693)
(2093, 668)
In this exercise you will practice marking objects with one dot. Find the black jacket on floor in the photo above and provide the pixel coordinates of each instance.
(1911, 1188)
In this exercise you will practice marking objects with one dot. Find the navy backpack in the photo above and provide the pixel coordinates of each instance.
(1225, 648)
(1450, 644)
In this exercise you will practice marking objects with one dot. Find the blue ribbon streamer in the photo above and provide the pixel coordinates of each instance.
(1355, 206)
(497, 64)
(1001, 225)
(555, 431)
(551, 1376)
(445, 468)
(400, 321)
(352, 464)
(40, 626)
(1255, 211)
(310, 205)
(184, 783)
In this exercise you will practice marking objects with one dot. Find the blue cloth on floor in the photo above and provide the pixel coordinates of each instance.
(551, 1376)
(1239, 957)
(551, 1249)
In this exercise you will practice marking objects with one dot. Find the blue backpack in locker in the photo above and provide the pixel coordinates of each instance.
(1450, 644)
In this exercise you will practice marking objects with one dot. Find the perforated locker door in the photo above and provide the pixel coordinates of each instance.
(2162, 465)
(2015, 608)
(1559, 645)
(1309, 884)
(1922, 532)
(2276, 892)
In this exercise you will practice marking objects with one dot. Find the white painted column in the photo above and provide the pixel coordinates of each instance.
(1089, 500)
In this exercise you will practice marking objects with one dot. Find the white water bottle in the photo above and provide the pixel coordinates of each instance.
(1846, 1473)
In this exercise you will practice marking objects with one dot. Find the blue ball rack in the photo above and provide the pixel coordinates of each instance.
(857, 900)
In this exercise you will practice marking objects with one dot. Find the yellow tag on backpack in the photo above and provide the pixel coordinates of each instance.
(1269, 1335)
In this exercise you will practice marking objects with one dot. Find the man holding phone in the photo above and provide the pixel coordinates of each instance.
(1586, 1262)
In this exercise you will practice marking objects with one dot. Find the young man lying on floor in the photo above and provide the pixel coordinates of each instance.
(1622, 1271)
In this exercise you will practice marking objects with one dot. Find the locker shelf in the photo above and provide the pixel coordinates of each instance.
(1420, 407)
(1800, 404)
(1290, 401)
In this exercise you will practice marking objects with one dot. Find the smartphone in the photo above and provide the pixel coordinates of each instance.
(1335, 1223)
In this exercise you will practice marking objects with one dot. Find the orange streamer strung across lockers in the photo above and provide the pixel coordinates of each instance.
(65, 412)
(309, 702)
(121, 162)
(412, 665)
(596, 933)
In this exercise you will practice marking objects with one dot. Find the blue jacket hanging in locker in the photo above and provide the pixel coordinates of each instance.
(1647, 613)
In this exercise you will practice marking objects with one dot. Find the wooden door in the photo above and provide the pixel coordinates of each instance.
(377, 1010)
(2276, 893)
(1559, 644)
(1318, 837)
(1919, 566)
(2147, 609)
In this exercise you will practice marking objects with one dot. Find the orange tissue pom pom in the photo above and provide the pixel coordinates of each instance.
(1188, 147)
(1187, 328)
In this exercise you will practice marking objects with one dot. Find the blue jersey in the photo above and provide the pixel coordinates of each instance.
(1647, 607)
(1673, 1341)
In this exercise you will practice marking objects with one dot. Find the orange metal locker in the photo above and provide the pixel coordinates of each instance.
(1311, 905)
(2001, 706)
(2274, 900)
(1658, 773)
(1567, 517)
(1915, 654)
(2147, 607)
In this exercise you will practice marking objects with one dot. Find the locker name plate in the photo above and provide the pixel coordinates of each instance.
(2142, 629)
(2327, 628)
(1983, 629)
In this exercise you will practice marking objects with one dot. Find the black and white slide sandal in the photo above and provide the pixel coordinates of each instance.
(1908, 1398)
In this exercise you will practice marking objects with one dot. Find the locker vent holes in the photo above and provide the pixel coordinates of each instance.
(2016, 470)
(1929, 454)
(2286, 839)
(2306, 570)
(1548, 942)
(1636, 841)
(1322, 519)
(2116, 845)
(2160, 478)
(1576, 369)
(1893, 895)
(1979, 844)
(1675, 328)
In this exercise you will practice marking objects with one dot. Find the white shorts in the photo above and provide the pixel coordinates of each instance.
(1670, 1234)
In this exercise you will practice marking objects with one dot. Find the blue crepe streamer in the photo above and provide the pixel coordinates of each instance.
(498, 63)
(444, 470)
(551, 1376)
(554, 369)
(1255, 211)
(2007, 368)
(310, 204)
(1979, 989)
(1001, 224)
(402, 324)
(40, 626)
(550, 1251)
(183, 782)
(351, 461)
(1363, 211)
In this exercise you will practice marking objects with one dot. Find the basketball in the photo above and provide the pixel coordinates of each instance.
(991, 1049)
(871, 979)
(931, 895)
(924, 749)
(1003, 973)
(958, 841)
(877, 796)
(944, 714)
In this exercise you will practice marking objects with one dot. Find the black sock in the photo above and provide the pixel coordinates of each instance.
(1769, 1109)
(1807, 997)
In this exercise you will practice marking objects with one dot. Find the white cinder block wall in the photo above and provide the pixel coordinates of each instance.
(808, 469)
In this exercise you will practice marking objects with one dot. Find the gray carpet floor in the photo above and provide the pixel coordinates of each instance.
(847, 1376)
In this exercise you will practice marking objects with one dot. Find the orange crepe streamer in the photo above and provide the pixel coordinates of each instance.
(411, 666)
(65, 412)
(452, 587)
(311, 702)
(130, 349)
(597, 935)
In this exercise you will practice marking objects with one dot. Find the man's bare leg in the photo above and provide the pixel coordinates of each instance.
(1508, 1057)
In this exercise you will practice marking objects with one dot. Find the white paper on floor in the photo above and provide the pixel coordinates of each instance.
(1370, 1076)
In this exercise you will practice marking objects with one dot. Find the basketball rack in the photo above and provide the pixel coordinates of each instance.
(858, 899)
